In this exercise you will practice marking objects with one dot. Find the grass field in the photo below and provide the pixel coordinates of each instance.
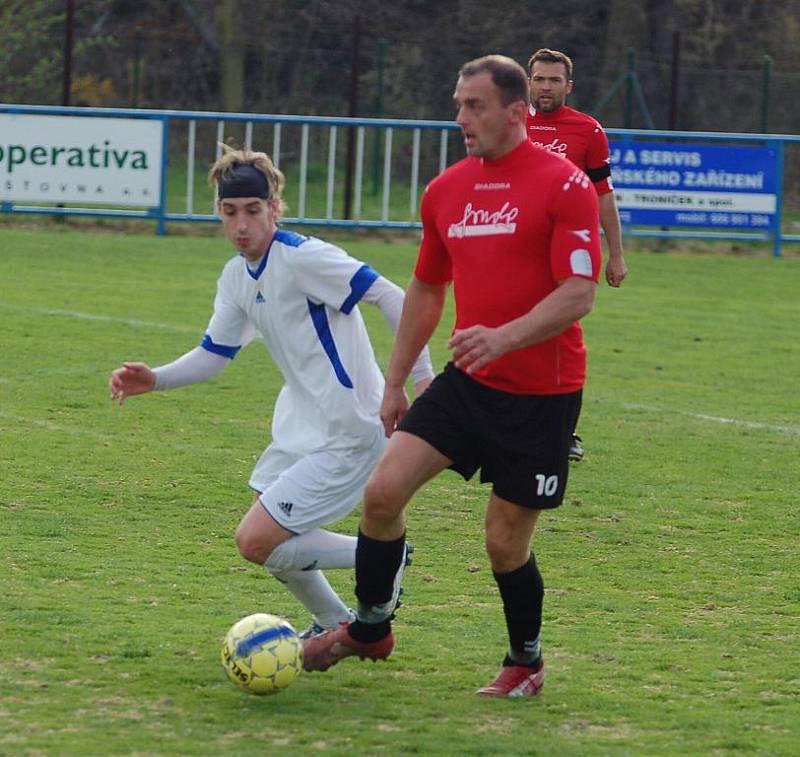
(672, 617)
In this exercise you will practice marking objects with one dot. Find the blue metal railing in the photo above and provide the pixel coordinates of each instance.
(777, 142)
(189, 120)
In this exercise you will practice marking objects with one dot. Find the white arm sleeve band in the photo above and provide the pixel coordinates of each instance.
(197, 365)
(388, 297)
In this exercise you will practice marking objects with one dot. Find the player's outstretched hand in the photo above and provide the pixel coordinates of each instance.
(393, 408)
(130, 380)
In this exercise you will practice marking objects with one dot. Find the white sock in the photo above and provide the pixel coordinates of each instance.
(312, 590)
(314, 549)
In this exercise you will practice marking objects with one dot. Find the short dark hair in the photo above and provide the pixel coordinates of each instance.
(551, 56)
(507, 75)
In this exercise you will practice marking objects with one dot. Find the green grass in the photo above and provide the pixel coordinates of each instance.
(672, 618)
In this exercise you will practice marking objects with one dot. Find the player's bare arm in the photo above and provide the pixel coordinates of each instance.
(422, 311)
(616, 270)
(478, 345)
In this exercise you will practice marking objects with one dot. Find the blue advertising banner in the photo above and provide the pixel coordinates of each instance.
(680, 184)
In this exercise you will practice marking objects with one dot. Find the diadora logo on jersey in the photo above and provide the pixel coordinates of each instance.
(557, 147)
(286, 507)
(578, 178)
(493, 185)
(259, 298)
(477, 222)
(583, 234)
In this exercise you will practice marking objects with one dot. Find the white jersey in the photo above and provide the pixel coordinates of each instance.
(302, 302)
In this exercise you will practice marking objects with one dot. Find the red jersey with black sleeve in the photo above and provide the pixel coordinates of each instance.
(505, 232)
(576, 136)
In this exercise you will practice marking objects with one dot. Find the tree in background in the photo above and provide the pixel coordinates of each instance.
(32, 50)
(230, 27)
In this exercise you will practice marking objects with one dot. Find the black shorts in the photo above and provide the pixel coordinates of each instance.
(520, 442)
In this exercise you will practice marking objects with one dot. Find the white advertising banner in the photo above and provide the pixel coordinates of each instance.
(76, 159)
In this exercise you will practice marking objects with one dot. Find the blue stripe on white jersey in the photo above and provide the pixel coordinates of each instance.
(261, 266)
(320, 319)
(362, 280)
(290, 238)
(219, 349)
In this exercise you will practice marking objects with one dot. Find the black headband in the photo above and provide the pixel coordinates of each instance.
(243, 180)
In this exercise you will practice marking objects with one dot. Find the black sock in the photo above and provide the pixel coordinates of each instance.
(377, 563)
(535, 665)
(522, 591)
(369, 632)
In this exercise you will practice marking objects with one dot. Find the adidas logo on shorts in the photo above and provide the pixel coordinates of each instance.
(286, 507)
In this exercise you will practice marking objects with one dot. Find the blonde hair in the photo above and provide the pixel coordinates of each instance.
(231, 157)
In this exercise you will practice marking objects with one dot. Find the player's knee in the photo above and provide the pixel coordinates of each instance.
(382, 500)
(494, 547)
(504, 551)
(251, 548)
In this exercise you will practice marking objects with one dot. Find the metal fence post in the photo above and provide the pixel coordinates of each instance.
(161, 226)
(777, 229)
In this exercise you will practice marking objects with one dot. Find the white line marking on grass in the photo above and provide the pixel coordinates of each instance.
(47, 425)
(95, 317)
(116, 440)
(716, 418)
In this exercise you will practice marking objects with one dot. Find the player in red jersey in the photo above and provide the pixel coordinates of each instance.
(556, 127)
(552, 124)
(515, 230)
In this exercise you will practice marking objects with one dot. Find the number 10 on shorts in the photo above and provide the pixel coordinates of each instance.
(546, 485)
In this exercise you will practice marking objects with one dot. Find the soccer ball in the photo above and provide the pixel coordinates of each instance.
(262, 653)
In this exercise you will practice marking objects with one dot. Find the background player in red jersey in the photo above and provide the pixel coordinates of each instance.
(555, 126)
(515, 230)
(552, 124)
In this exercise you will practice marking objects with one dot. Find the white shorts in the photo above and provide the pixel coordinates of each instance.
(303, 492)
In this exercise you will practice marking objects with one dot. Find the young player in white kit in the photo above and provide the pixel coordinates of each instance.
(300, 296)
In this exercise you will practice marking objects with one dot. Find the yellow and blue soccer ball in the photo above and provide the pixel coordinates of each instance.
(262, 653)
